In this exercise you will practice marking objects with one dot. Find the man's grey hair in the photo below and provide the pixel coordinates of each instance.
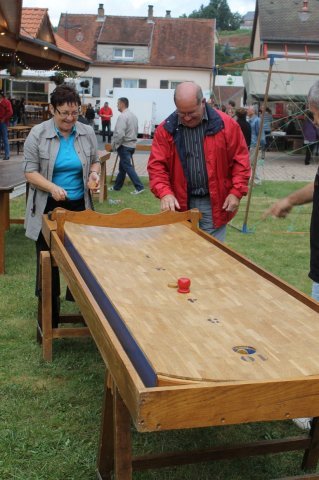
(313, 95)
(254, 108)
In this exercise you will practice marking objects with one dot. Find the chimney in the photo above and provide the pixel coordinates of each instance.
(100, 10)
(168, 14)
(150, 12)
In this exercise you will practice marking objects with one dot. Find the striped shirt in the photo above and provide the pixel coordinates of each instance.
(195, 158)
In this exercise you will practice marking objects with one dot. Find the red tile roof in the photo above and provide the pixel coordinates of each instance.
(70, 25)
(67, 47)
(174, 42)
(179, 42)
(32, 19)
(126, 31)
(35, 23)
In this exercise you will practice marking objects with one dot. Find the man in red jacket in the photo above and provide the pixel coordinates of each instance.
(106, 114)
(5, 115)
(199, 159)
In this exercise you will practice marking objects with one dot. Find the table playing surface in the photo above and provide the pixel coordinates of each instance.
(233, 325)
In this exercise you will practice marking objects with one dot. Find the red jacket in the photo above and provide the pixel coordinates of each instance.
(6, 111)
(106, 113)
(227, 162)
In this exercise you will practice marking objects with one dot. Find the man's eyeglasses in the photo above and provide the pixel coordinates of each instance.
(193, 114)
(188, 114)
(67, 114)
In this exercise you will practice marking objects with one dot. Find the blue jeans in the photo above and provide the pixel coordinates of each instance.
(4, 137)
(126, 167)
(206, 222)
(315, 291)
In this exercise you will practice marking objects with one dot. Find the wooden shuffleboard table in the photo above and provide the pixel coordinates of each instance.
(241, 346)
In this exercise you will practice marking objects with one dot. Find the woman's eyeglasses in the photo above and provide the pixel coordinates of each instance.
(68, 114)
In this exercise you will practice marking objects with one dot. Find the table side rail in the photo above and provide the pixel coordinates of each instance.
(115, 358)
(227, 403)
(128, 342)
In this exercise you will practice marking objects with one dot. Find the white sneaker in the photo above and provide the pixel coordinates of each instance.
(137, 192)
(303, 423)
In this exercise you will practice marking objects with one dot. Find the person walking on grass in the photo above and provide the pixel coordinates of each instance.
(124, 142)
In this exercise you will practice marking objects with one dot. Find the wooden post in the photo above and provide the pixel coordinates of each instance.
(46, 305)
(105, 463)
(115, 446)
(4, 225)
(244, 229)
(311, 455)
(122, 439)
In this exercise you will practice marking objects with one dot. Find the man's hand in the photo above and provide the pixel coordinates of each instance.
(169, 202)
(279, 209)
(231, 203)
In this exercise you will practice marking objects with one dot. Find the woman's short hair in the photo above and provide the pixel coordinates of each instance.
(241, 112)
(64, 94)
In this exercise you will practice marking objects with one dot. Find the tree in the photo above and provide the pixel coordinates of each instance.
(219, 9)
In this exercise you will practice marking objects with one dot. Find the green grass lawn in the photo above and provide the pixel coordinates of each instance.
(50, 412)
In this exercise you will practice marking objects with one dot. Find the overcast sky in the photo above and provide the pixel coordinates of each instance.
(131, 7)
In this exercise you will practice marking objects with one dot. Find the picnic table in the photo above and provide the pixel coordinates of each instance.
(17, 135)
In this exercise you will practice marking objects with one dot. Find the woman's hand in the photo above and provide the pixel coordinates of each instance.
(94, 181)
(58, 193)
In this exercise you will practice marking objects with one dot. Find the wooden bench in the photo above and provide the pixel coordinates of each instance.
(18, 141)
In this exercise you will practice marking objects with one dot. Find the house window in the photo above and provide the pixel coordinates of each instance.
(142, 83)
(123, 54)
(129, 83)
(168, 84)
(164, 84)
(82, 84)
(117, 82)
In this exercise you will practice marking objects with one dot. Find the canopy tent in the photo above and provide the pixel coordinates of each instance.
(39, 48)
(290, 79)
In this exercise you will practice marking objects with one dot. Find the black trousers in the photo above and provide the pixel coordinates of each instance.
(106, 124)
(41, 245)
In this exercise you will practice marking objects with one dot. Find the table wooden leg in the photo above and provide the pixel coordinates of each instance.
(46, 305)
(311, 455)
(4, 225)
(2, 249)
(115, 446)
(105, 463)
(122, 439)
(103, 189)
(114, 167)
